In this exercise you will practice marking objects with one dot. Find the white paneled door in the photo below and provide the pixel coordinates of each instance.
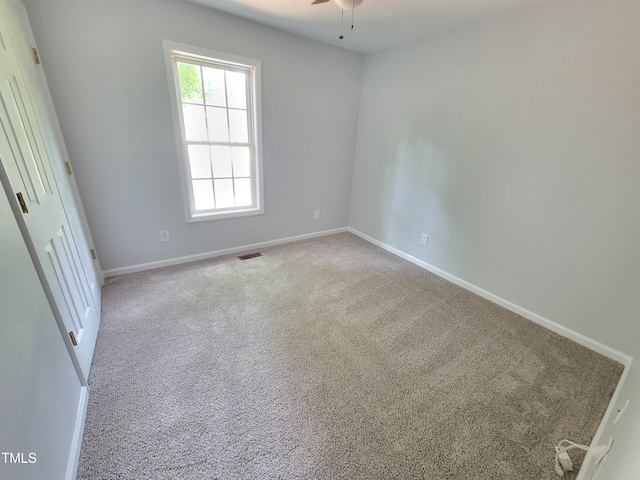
(29, 158)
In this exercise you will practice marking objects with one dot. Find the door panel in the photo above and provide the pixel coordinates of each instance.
(33, 177)
(27, 168)
(56, 150)
(38, 152)
(68, 283)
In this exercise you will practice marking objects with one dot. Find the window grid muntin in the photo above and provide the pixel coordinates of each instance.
(249, 85)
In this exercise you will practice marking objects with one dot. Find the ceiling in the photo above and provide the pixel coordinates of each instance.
(379, 24)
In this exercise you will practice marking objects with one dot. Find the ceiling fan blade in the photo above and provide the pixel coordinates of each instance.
(317, 2)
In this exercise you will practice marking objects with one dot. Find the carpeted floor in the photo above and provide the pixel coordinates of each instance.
(328, 358)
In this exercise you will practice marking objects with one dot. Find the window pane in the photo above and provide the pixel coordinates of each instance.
(241, 161)
(190, 83)
(221, 161)
(195, 127)
(238, 124)
(199, 161)
(217, 123)
(243, 192)
(203, 195)
(237, 89)
(224, 193)
(214, 87)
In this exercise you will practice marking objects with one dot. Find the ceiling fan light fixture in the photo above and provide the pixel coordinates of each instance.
(348, 4)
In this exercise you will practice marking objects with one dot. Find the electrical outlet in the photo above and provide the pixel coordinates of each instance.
(424, 238)
(317, 214)
(164, 235)
(601, 460)
(601, 452)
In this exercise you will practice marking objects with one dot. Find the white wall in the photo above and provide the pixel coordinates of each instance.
(39, 388)
(515, 145)
(103, 61)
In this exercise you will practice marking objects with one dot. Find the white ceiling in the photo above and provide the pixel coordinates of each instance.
(379, 24)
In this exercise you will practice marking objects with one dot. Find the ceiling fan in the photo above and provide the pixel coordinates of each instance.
(344, 5)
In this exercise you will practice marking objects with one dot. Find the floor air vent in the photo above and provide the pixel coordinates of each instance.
(249, 255)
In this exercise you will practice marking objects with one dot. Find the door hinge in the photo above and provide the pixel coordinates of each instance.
(36, 57)
(67, 165)
(93, 254)
(73, 339)
(23, 204)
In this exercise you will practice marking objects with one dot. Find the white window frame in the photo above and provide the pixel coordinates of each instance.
(254, 112)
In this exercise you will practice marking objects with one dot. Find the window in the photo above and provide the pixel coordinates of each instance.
(215, 100)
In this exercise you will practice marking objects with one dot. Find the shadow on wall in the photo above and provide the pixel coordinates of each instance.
(417, 194)
(468, 194)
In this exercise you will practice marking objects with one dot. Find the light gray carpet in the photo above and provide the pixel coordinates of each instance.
(328, 358)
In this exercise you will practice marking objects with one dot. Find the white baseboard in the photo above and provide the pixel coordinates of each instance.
(217, 253)
(528, 314)
(78, 431)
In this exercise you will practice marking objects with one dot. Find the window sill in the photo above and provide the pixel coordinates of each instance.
(206, 217)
